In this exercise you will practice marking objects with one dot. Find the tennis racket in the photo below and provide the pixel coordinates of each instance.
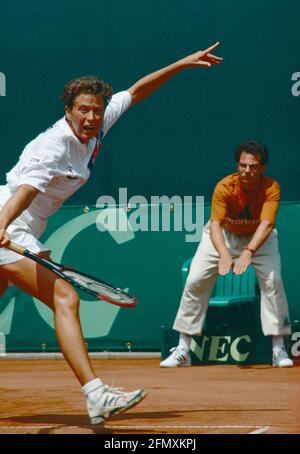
(89, 284)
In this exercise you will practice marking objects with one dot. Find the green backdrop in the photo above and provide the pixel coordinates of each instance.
(179, 141)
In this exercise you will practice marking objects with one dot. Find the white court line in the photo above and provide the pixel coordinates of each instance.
(93, 355)
(181, 427)
(260, 431)
(36, 427)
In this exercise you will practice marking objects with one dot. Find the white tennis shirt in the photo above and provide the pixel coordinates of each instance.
(57, 164)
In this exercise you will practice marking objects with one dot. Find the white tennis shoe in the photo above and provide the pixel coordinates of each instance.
(281, 358)
(179, 357)
(112, 401)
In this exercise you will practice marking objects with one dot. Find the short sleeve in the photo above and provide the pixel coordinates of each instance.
(219, 204)
(117, 105)
(271, 204)
(39, 164)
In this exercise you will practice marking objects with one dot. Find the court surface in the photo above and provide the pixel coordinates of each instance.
(43, 397)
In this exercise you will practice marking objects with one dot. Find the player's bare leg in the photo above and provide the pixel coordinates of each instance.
(102, 401)
(63, 300)
(3, 285)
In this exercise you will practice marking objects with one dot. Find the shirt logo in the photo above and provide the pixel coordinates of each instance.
(71, 177)
(242, 221)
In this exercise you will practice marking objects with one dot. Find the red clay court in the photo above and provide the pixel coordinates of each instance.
(42, 397)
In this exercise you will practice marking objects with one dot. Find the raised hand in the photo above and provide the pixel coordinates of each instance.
(202, 58)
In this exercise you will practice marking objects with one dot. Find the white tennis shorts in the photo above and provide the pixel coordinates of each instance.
(22, 231)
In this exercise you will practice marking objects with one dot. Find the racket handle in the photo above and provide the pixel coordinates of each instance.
(16, 248)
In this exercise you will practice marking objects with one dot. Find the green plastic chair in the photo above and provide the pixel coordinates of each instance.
(230, 289)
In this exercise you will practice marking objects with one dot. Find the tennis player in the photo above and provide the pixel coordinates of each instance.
(241, 227)
(50, 169)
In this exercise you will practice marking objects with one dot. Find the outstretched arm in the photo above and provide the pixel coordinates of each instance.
(149, 84)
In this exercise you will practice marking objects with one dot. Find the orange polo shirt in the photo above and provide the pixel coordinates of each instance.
(241, 212)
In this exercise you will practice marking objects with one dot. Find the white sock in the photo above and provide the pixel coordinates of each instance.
(185, 342)
(92, 388)
(277, 342)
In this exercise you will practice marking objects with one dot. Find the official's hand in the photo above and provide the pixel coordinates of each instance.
(242, 262)
(225, 263)
(4, 238)
(202, 58)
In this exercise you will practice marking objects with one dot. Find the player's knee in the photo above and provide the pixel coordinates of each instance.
(67, 302)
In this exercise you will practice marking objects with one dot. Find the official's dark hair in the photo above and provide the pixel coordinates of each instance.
(86, 84)
(254, 148)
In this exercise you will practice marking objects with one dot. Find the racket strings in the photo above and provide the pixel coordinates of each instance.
(98, 288)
